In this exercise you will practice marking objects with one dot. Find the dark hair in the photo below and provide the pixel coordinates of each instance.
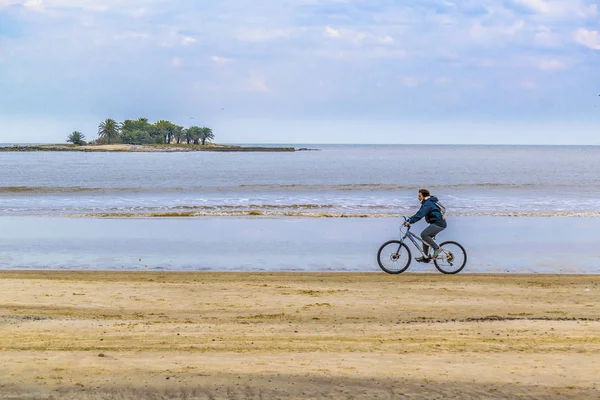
(424, 192)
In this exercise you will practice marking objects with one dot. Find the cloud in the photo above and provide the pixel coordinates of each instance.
(588, 38)
(332, 33)
(8, 3)
(34, 5)
(545, 6)
(188, 40)
(386, 40)
(221, 60)
(357, 37)
(560, 9)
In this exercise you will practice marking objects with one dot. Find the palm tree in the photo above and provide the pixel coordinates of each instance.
(76, 138)
(192, 134)
(165, 129)
(178, 133)
(108, 130)
(128, 125)
(206, 134)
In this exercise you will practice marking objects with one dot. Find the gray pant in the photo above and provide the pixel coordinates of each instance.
(427, 235)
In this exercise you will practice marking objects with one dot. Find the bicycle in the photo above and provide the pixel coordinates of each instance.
(451, 260)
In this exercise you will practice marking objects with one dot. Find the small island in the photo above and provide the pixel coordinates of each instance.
(134, 148)
(142, 136)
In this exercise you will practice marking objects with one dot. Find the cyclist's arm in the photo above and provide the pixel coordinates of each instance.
(423, 211)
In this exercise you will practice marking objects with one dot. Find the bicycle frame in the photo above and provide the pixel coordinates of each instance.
(413, 238)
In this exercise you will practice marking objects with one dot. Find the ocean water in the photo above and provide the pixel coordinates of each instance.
(516, 209)
(336, 180)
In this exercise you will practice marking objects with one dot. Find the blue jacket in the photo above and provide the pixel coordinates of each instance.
(430, 211)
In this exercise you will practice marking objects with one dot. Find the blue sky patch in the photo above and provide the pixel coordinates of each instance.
(9, 27)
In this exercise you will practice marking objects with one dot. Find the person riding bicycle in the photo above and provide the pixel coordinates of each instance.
(437, 223)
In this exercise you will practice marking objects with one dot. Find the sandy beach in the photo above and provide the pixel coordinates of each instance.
(116, 335)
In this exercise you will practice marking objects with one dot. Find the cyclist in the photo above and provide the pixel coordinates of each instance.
(437, 223)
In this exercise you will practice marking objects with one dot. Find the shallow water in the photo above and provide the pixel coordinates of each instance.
(494, 244)
(366, 180)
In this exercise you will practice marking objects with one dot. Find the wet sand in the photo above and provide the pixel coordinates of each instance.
(494, 244)
(118, 335)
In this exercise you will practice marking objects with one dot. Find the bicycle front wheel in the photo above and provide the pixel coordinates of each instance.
(452, 258)
(393, 257)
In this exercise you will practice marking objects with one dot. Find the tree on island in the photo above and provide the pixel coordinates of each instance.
(167, 129)
(179, 134)
(206, 134)
(109, 129)
(77, 138)
(192, 134)
(137, 131)
(141, 132)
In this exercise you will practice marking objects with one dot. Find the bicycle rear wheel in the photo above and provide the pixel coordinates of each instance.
(393, 257)
(452, 258)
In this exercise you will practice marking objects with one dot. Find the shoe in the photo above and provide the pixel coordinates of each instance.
(423, 259)
(437, 252)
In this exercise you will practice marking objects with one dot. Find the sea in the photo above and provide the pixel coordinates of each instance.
(354, 180)
(528, 209)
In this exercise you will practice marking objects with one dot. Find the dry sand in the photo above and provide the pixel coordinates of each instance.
(111, 335)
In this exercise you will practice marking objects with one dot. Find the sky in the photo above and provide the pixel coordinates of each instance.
(305, 71)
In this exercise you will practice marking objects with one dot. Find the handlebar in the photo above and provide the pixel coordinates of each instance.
(405, 220)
